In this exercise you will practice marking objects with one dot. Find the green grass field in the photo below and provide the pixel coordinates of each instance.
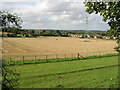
(32, 76)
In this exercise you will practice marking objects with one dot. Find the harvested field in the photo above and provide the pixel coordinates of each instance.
(55, 45)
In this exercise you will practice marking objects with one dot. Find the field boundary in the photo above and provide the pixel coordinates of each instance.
(12, 63)
(47, 75)
(52, 56)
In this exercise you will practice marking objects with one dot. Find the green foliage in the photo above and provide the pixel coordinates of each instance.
(111, 32)
(9, 20)
(117, 48)
(111, 14)
(4, 35)
(10, 23)
(10, 78)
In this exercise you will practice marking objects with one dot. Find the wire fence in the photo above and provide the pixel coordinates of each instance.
(52, 56)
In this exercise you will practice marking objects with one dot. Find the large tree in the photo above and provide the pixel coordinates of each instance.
(8, 21)
(9, 77)
(110, 11)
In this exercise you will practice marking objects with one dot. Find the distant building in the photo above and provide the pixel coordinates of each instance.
(97, 36)
(106, 37)
(91, 36)
(80, 35)
(38, 31)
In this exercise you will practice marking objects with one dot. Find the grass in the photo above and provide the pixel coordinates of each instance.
(90, 79)
(106, 77)
(20, 62)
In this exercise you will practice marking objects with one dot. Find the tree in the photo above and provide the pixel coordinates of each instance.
(8, 20)
(59, 33)
(9, 77)
(110, 11)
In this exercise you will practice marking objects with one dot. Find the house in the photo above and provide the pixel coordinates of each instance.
(38, 31)
(106, 37)
(91, 36)
(97, 36)
(80, 35)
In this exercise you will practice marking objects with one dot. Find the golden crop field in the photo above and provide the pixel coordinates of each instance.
(55, 45)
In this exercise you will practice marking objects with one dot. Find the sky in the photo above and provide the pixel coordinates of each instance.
(54, 14)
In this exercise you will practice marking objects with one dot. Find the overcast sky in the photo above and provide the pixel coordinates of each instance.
(54, 14)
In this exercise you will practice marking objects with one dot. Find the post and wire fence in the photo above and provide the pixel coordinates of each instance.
(52, 56)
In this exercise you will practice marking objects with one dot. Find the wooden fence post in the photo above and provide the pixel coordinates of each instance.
(46, 57)
(65, 56)
(78, 55)
(35, 57)
(56, 56)
(10, 59)
(72, 55)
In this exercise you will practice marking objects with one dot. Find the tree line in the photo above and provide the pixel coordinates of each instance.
(18, 32)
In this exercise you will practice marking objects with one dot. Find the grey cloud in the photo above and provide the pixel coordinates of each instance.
(63, 15)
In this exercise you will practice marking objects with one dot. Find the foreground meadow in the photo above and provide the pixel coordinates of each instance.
(90, 73)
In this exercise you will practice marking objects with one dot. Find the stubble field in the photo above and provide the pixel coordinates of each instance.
(55, 45)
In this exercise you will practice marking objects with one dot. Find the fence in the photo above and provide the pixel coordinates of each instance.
(52, 56)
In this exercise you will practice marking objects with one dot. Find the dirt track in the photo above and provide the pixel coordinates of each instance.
(54, 45)
(47, 75)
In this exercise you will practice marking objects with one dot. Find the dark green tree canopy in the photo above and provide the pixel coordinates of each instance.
(9, 77)
(111, 14)
(9, 20)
